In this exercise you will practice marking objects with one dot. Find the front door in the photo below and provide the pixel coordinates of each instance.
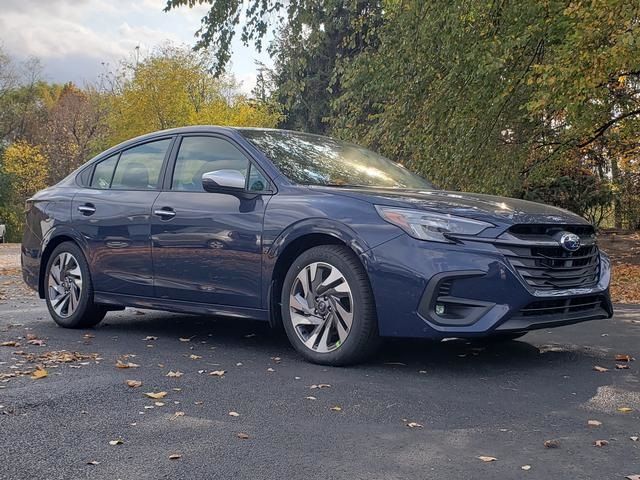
(207, 246)
(113, 216)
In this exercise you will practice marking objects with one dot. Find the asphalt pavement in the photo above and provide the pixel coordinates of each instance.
(419, 410)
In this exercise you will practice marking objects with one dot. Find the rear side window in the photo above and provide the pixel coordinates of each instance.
(199, 155)
(139, 167)
(103, 173)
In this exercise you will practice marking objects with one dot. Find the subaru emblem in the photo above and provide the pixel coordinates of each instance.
(570, 241)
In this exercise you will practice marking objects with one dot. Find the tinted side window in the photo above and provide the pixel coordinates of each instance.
(139, 167)
(103, 173)
(199, 155)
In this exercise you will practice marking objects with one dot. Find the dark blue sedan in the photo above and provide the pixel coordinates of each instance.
(332, 241)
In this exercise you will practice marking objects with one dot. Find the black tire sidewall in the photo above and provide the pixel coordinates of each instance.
(355, 347)
(85, 314)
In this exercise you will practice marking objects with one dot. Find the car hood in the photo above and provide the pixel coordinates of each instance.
(498, 210)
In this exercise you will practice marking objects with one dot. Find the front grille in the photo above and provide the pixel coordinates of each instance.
(544, 264)
(586, 305)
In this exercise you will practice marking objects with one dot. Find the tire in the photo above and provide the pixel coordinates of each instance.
(67, 274)
(316, 318)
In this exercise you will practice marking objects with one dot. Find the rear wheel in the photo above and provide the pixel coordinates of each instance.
(69, 291)
(328, 309)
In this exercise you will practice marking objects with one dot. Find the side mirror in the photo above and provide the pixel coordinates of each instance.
(223, 181)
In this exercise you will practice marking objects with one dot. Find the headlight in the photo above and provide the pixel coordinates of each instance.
(430, 226)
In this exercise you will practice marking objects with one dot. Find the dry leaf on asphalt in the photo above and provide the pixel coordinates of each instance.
(624, 358)
(487, 459)
(11, 343)
(622, 366)
(159, 404)
(270, 369)
(134, 383)
(600, 443)
(121, 364)
(116, 442)
(320, 385)
(217, 373)
(37, 342)
(594, 423)
(194, 357)
(625, 409)
(175, 456)
(336, 408)
(175, 374)
(598, 368)
(551, 444)
(414, 425)
(93, 462)
(234, 414)
(632, 477)
(634, 439)
(310, 398)
(39, 373)
(243, 436)
(526, 467)
(185, 339)
(148, 338)
(155, 395)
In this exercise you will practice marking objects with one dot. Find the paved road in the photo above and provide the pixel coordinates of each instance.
(501, 401)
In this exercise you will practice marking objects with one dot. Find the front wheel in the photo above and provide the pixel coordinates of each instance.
(328, 308)
(69, 291)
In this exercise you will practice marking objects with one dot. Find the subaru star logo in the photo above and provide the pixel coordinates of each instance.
(570, 241)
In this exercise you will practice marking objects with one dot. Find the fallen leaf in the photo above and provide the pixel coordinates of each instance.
(156, 396)
(487, 459)
(159, 404)
(634, 439)
(598, 368)
(39, 373)
(175, 374)
(551, 444)
(185, 339)
(632, 477)
(625, 409)
(234, 414)
(243, 436)
(37, 342)
(218, 373)
(134, 383)
(310, 398)
(11, 343)
(600, 443)
(594, 423)
(526, 467)
(270, 369)
(251, 335)
(93, 462)
(320, 385)
(121, 364)
(89, 335)
(622, 367)
(624, 358)
(336, 408)
(116, 442)
(149, 338)
(175, 456)
(194, 357)
(414, 425)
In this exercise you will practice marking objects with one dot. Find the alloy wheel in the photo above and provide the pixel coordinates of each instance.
(321, 307)
(65, 284)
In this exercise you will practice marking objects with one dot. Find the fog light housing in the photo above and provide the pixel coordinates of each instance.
(440, 309)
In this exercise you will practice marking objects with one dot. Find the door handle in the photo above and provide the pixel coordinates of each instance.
(87, 209)
(165, 213)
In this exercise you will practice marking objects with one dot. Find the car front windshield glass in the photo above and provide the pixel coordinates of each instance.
(316, 160)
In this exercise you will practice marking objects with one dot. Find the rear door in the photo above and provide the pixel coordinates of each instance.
(113, 216)
(207, 246)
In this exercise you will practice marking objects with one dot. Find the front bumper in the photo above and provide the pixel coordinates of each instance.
(431, 290)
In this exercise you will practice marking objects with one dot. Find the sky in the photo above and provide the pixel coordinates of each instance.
(73, 38)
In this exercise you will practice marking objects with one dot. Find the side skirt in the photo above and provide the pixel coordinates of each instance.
(179, 306)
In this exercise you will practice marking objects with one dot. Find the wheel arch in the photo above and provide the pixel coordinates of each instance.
(294, 242)
(47, 249)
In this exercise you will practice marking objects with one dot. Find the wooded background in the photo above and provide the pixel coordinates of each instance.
(533, 99)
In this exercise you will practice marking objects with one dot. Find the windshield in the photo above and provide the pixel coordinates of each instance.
(316, 160)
